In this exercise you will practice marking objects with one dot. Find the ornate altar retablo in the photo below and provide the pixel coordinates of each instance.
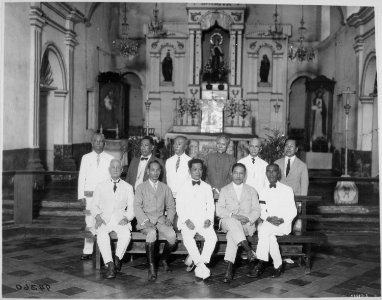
(212, 115)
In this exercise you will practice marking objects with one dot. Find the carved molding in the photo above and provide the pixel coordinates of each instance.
(364, 15)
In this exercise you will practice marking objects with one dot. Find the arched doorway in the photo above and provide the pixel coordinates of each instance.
(52, 80)
(297, 103)
(134, 103)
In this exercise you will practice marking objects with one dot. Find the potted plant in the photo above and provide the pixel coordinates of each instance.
(273, 147)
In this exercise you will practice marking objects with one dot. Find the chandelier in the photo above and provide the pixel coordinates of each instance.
(277, 29)
(301, 52)
(126, 46)
(156, 25)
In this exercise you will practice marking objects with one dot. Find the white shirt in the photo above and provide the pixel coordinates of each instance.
(278, 202)
(238, 189)
(113, 205)
(255, 176)
(195, 202)
(153, 184)
(141, 170)
(176, 178)
(291, 163)
(90, 173)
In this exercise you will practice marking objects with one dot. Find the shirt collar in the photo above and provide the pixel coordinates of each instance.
(291, 158)
(152, 182)
(117, 181)
(237, 186)
(149, 156)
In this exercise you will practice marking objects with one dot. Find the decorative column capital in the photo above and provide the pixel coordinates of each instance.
(70, 39)
(359, 44)
(36, 18)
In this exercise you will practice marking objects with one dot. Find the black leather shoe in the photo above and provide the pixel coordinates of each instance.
(228, 277)
(191, 267)
(257, 271)
(150, 248)
(118, 264)
(110, 274)
(86, 256)
(277, 272)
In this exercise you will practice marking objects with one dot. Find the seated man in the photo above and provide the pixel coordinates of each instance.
(152, 200)
(238, 207)
(113, 210)
(278, 210)
(196, 208)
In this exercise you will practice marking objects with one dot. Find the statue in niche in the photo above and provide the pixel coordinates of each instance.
(167, 67)
(319, 112)
(264, 68)
(108, 112)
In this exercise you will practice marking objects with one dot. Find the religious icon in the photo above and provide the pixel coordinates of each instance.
(108, 109)
(264, 68)
(319, 114)
(167, 67)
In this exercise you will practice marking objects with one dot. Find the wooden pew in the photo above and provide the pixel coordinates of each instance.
(297, 244)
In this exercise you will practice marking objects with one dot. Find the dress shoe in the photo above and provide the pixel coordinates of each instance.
(228, 277)
(202, 271)
(191, 267)
(168, 248)
(150, 248)
(257, 271)
(277, 272)
(118, 264)
(110, 274)
(86, 256)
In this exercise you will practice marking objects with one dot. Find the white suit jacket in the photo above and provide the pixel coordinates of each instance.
(107, 203)
(255, 175)
(278, 202)
(91, 174)
(195, 203)
(175, 179)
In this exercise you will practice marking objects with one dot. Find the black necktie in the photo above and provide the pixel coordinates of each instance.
(272, 185)
(253, 160)
(115, 186)
(144, 158)
(288, 167)
(196, 182)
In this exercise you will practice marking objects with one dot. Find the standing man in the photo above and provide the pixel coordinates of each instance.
(278, 210)
(176, 166)
(137, 172)
(294, 171)
(238, 207)
(93, 170)
(196, 208)
(154, 209)
(113, 210)
(219, 165)
(255, 175)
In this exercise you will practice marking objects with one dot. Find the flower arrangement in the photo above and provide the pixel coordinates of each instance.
(193, 108)
(243, 108)
(273, 147)
(218, 75)
(182, 106)
(231, 109)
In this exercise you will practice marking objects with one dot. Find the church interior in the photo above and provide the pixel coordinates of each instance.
(131, 69)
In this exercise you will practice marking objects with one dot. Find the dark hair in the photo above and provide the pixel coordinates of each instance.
(291, 138)
(149, 138)
(154, 161)
(181, 137)
(194, 161)
(278, 169)
(239, 165)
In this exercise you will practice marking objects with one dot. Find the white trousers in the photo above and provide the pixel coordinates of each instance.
(90, 222)
(235, 235)
(267, 244)
(103, 239)
(189, 242)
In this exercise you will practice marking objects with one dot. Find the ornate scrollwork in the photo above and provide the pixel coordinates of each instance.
(252, 45)
(180, 45)
(236, 16)
(154, 45)
(194, 16)
(278, 46)
(264, 45)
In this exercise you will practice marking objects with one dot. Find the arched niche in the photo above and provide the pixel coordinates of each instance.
(369, 75)
(134, 100)
(54, 58)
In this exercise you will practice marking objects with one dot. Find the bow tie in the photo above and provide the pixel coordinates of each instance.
(253, 160)
(196, 182)
(144, 158)
(272, 185)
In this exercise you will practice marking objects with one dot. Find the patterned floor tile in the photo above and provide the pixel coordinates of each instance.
(274, 291)
(22, 257)
(72, 291)
(318, 274)
(298, 282)
(44, 281)
(345, 264)
(20, 273)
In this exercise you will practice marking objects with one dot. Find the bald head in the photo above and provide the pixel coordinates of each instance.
(115, 169)
(254, 147)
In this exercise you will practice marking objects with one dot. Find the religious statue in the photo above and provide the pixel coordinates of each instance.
(319, 115)
(167, 67)
(264, 69)
(108, 112)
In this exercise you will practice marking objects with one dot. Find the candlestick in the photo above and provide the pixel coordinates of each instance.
(100, 129)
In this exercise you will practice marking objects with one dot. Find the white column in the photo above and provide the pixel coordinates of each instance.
(36, 23)
(198, 55)
(232, 46)
(275, 74)
(239, 51)
(359, 51)
(192, 54)
(367, 104)
(325, 22)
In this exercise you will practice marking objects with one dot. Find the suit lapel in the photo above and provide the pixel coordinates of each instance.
(233, 193)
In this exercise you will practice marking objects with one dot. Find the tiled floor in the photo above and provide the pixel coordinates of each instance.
(47, 267)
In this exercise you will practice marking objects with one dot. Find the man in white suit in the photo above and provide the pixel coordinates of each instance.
(195, 207)
(113, 210)
(278, 210)
(294, 171)
(176, 165)
(255, 174)
(93, 170)
(238, 207)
